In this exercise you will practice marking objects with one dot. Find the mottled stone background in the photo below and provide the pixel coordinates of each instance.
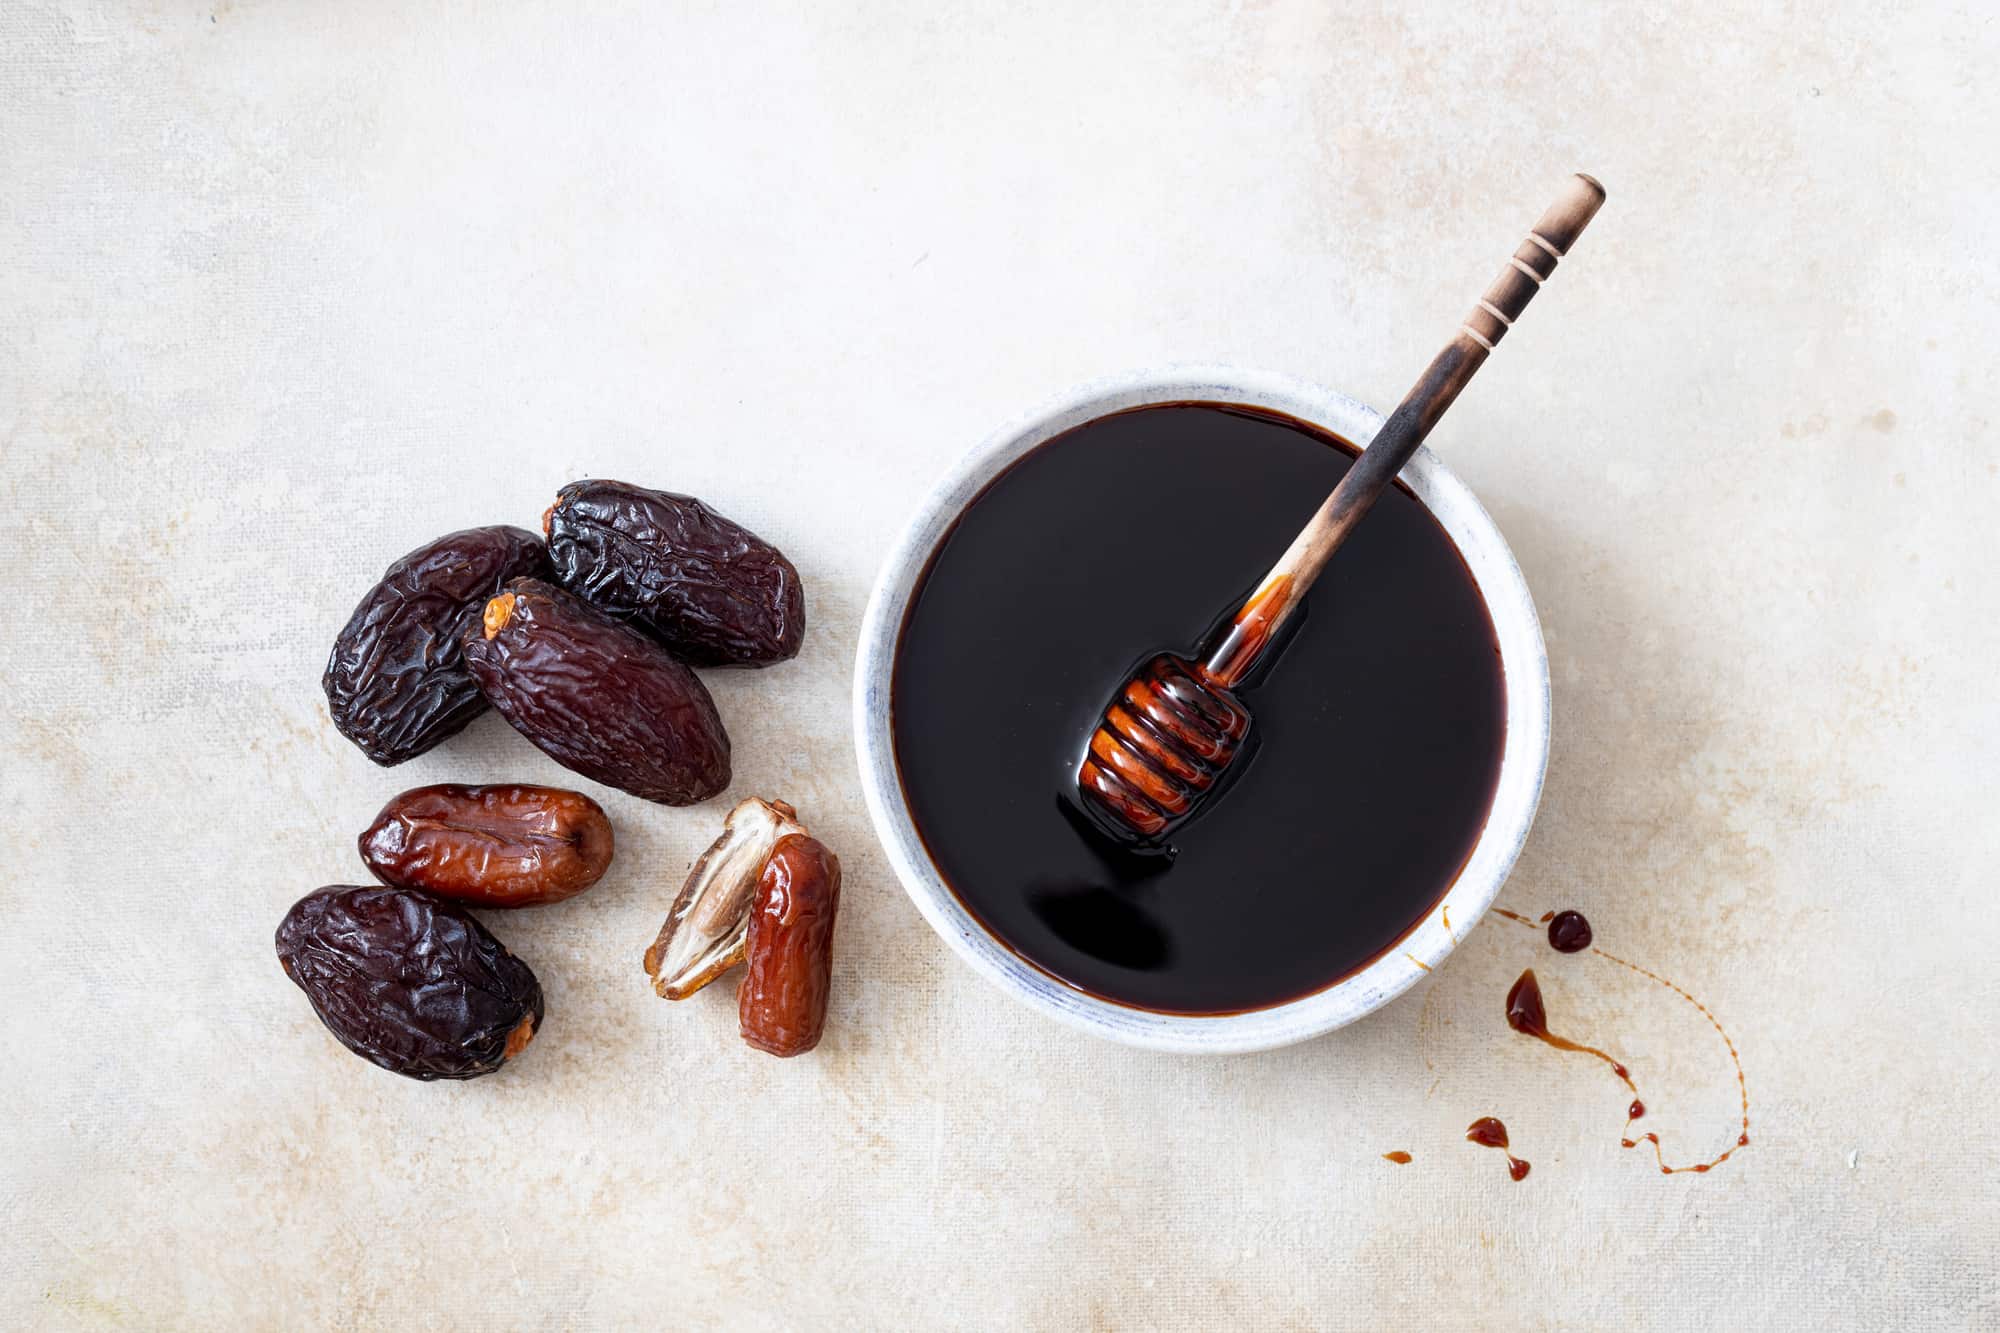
(287, 288)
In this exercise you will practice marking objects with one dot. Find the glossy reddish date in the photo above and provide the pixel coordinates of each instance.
(496, 846)
(781, 1005)
(598, 696)
(710, 590)
(410, 982)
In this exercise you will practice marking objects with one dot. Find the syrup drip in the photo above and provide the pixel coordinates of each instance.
(1488, 1132)
(1527, 1014)
(1399, 1157)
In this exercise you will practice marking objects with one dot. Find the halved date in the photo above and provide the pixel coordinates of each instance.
(410, 982)
(703, 935)
(506, 845)
(781, 1005)
(396, 683)
(598, 696)
(711, 590)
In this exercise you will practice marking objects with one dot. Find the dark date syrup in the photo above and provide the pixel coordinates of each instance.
(1343, 823)
(1527, 1014)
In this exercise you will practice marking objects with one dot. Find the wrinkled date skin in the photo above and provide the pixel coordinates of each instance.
(498, 846)
(781, 1005)
(396, 684)
(410, 982)
(598, 696)
(714, 593)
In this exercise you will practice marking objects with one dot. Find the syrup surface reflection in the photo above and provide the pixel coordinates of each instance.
(1341, 824)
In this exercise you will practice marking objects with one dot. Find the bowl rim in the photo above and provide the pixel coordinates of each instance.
(1524, 754)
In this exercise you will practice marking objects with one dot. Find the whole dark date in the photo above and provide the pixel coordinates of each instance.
(507, 845)
(781, 1005)
(598, 696)
(715, 593)
(410, 982)
(396, 683)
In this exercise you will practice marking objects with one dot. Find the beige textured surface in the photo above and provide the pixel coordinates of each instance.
(287, 288)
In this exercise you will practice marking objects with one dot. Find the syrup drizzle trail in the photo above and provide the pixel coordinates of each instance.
(1742, 1087)
(1526, 993)
(1399, 1157)
(1488, 1132)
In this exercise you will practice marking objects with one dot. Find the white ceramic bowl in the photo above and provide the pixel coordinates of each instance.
(1523, 759)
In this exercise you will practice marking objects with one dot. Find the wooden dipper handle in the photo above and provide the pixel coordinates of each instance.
(1532, 264)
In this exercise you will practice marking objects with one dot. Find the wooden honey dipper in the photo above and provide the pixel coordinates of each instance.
(1172, 730)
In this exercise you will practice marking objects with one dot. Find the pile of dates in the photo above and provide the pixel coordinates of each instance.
(584, 642)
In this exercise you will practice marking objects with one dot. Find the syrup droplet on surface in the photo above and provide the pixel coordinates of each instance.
(1399, 1157)
(1489, 1132)
(1569, 932)
(1527, 1015)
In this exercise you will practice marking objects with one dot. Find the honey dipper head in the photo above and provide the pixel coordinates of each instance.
(1164, 740)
